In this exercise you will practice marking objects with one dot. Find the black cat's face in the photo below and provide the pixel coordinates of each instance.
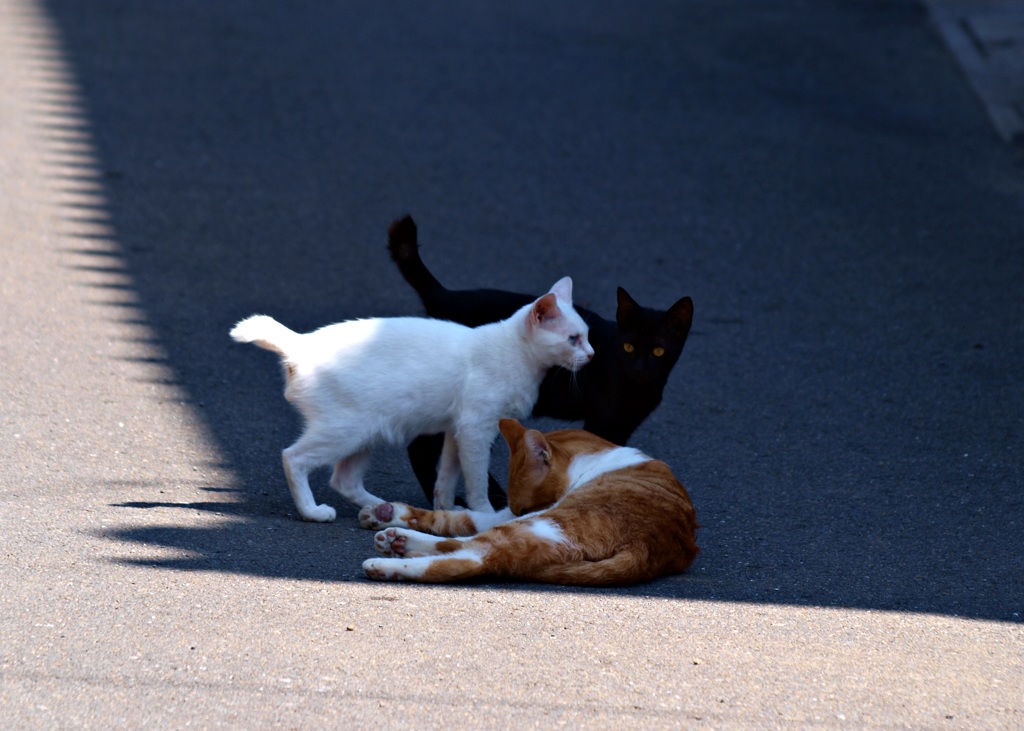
(650, 341)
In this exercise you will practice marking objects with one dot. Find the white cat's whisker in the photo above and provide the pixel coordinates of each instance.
(574, 382)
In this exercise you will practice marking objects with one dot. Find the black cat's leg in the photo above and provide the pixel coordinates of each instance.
(615, 432)
(618, 424)
(495, 493)
(424, 453)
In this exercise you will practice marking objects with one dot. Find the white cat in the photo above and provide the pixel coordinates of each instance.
(388, 380)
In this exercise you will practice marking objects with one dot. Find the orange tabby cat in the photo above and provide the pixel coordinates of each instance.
(590, 513)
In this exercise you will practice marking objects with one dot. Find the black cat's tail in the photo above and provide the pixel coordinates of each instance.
(404, 249)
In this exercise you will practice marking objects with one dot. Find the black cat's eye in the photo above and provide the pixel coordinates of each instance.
(658, 352)
(628, 347)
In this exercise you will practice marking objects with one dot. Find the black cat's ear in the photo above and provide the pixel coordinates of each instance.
(679, 317)
(628, 309)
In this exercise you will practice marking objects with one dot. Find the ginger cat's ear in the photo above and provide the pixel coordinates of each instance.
(512, 430)
(546, 308)
(537, 449)
(529, 465)
(562, 289)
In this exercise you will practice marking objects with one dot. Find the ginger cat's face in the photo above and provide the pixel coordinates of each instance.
(539, 464)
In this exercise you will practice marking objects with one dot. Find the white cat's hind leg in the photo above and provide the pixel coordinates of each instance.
(297, 465)
(347, 479)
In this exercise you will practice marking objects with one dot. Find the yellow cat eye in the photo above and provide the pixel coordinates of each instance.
(658, 352)
(628, 347)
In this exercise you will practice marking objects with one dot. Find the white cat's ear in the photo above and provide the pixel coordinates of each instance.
(563, 289)
(544, 309)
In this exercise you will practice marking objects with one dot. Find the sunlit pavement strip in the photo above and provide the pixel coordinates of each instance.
(987, 38)
(87, 398)
(90, 362)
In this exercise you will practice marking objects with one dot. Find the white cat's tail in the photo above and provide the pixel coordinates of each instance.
(267, 333)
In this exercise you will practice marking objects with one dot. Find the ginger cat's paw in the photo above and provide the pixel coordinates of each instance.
(404, 543)
(377, 569)
(391, 543)
(383, 515)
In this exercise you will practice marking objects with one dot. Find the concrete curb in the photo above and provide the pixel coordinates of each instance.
(987, 38)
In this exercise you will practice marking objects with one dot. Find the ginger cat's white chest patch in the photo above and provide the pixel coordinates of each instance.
(587, 467)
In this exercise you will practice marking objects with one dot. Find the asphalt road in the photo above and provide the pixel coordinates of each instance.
(847, 415)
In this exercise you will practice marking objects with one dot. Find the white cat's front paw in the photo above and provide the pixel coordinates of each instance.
(318, 514)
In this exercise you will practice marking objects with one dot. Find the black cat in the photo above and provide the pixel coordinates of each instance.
(633, 356)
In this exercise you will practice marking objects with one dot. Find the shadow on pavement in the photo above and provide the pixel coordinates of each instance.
(847, 414)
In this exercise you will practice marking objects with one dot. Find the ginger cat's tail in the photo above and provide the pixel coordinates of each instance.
(628, 566)
(621, 569)
(267, 333)
(403, 246)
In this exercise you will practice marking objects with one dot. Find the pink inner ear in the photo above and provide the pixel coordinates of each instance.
(545, 308)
